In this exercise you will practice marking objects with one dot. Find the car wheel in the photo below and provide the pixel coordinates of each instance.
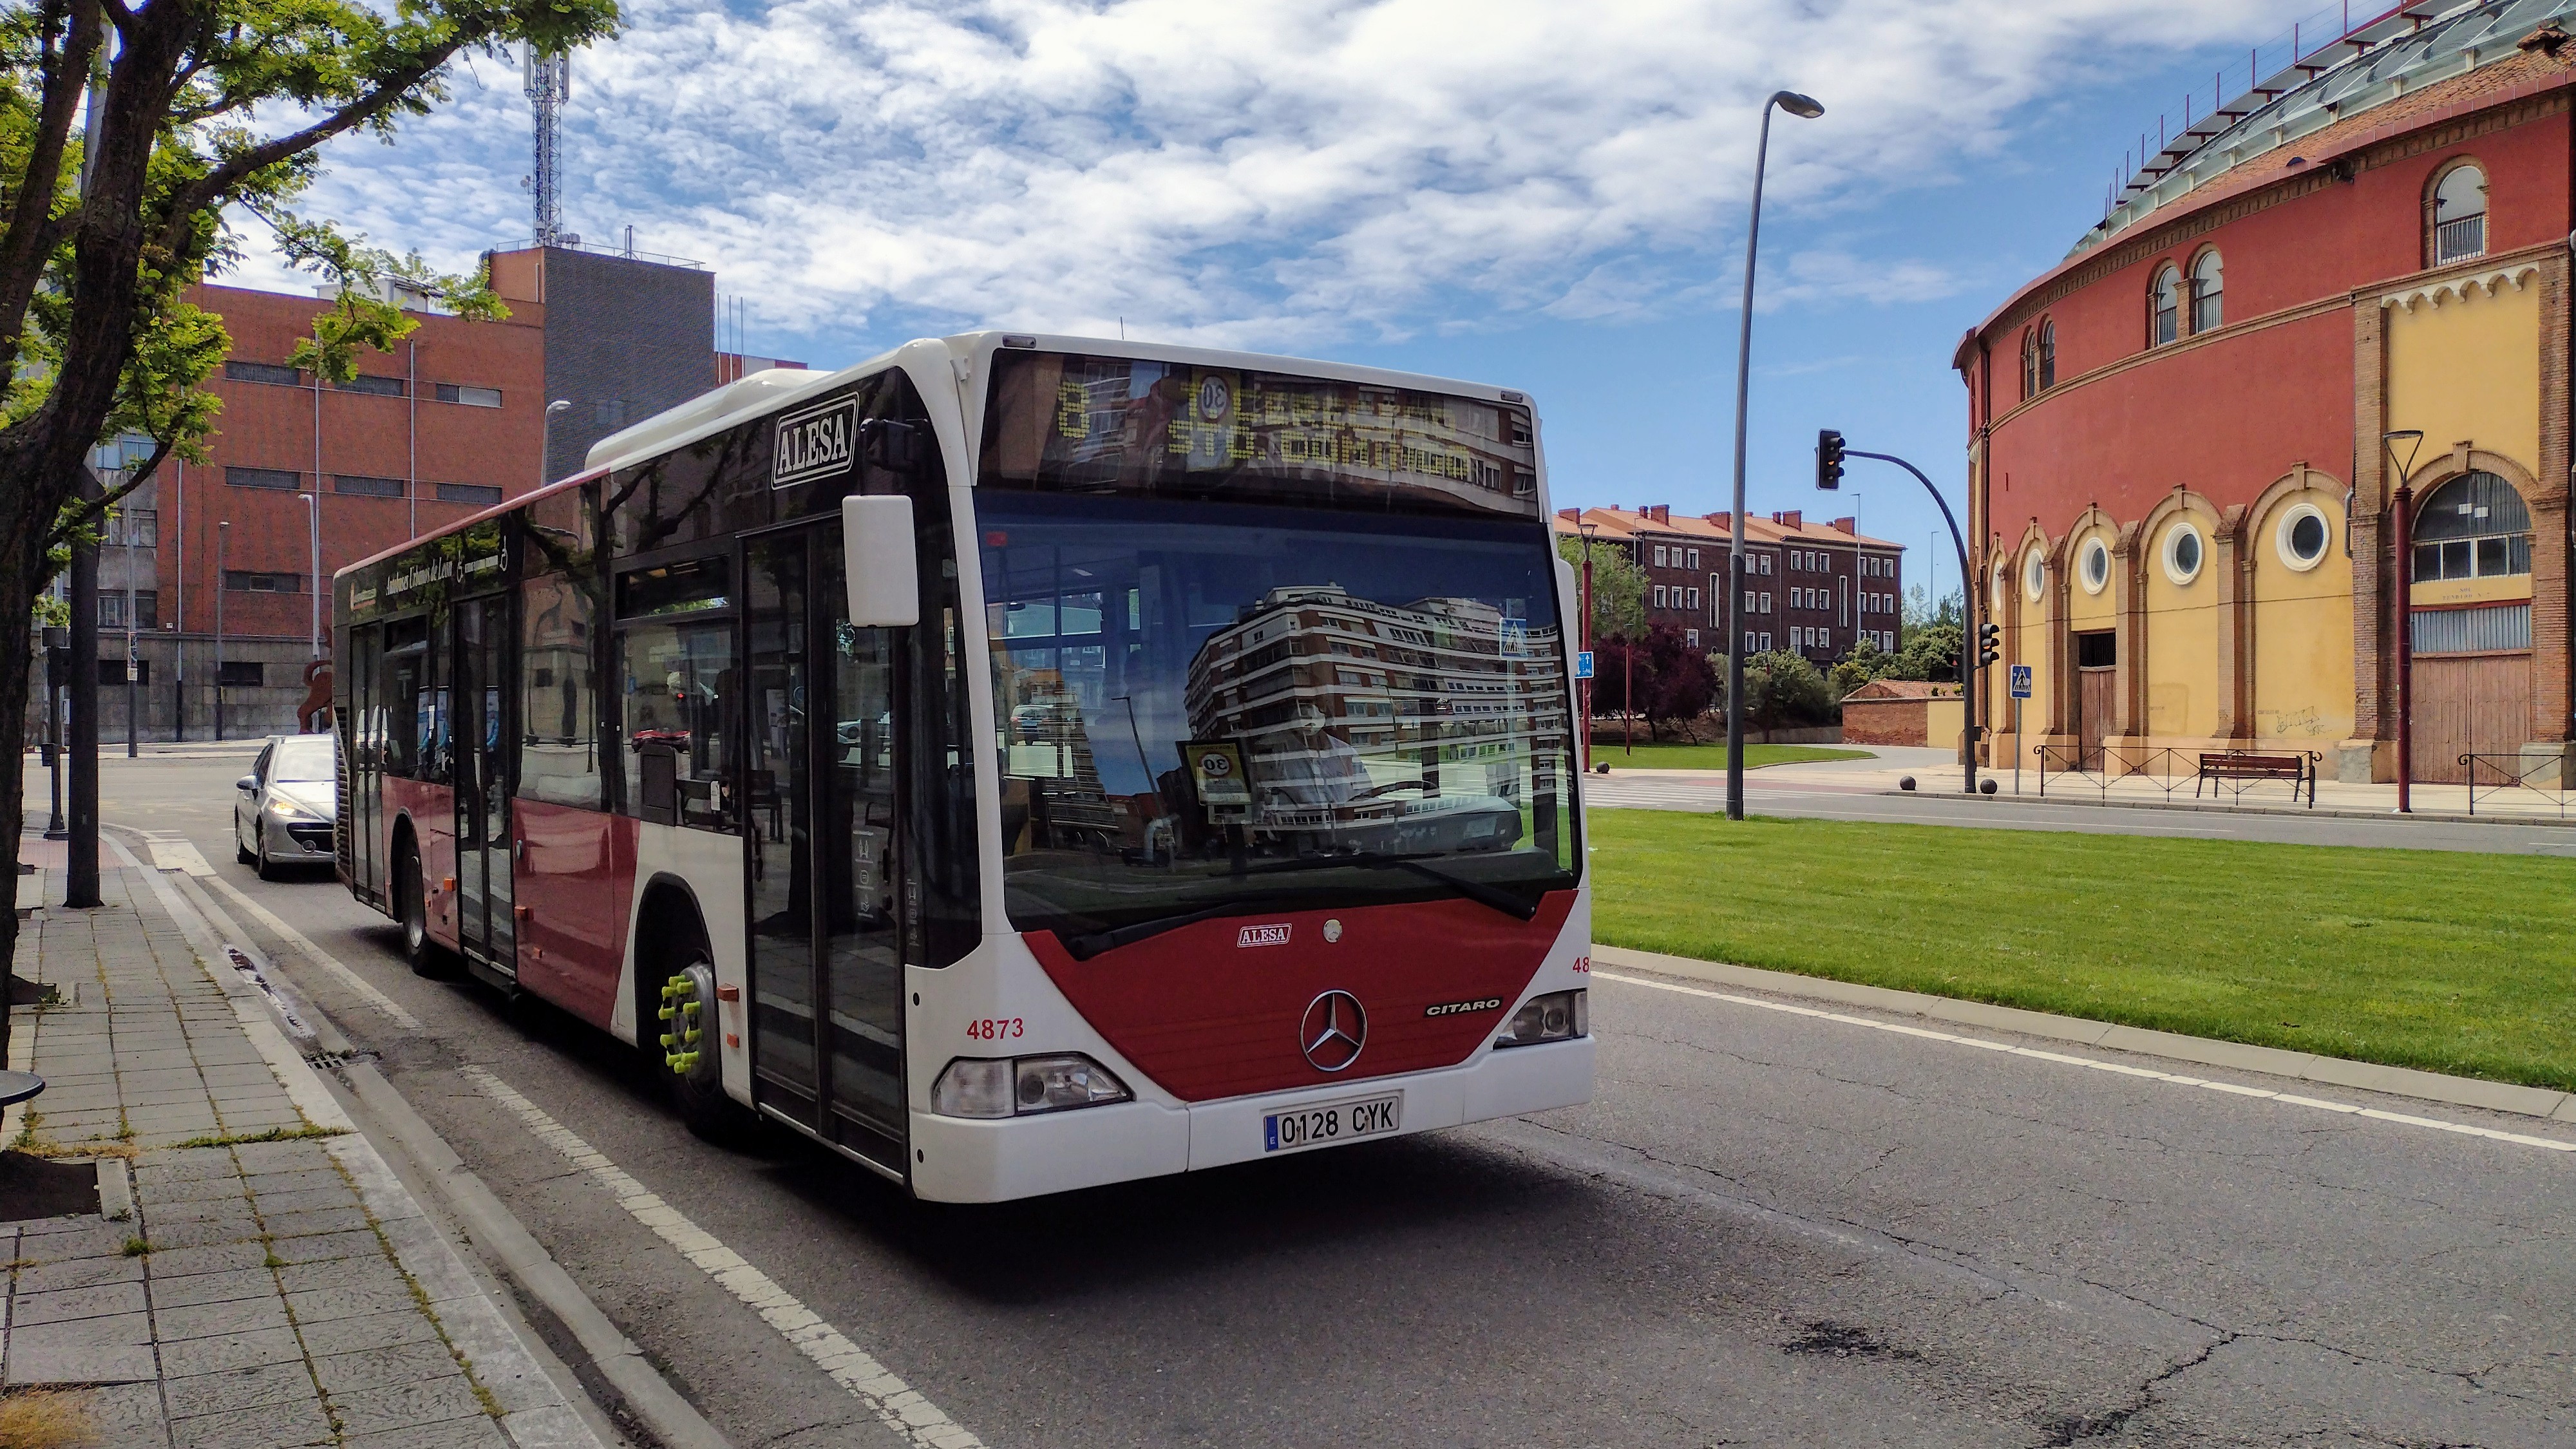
(684, 1050)
(421, 953)
(241, 852)
(259, 857)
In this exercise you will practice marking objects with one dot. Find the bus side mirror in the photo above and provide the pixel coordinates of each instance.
(885, 573)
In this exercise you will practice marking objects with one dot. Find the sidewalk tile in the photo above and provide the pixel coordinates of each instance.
(181, 1322)
(223, 1287)
(318, 1305)
(109, 1329)
(308, 1221)
(400, 1406)
(79, 1273)
(78, 1363)
(195, 1209)
(361, 1244)
(376, 1368)
(242, 1388)
(130, 1415)
(179, 1262)
(269, 1184)
(383, 1329)
(203, 1233)
(376, 1272)
(454, 1434)
(68, 1304)
(85, 1240)
(271, 1426)
(188, 1166)
(337, 1195)
(241, 1350)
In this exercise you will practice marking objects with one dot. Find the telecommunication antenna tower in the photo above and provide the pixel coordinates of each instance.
(549, 86)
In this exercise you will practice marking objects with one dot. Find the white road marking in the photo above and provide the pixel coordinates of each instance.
(393, 1012)
(887, 1396)
(2117, 1068)
(177, 855)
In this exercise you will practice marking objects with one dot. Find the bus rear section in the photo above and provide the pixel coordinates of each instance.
(1247, 827)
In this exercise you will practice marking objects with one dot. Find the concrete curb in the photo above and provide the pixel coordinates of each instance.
(2202, 1051)
(2322, 812)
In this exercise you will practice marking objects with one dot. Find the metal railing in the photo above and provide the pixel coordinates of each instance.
(2456, 241)
(2513, 773)
(2107, 764)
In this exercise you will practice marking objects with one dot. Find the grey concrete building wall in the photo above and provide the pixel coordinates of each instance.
(625, 338)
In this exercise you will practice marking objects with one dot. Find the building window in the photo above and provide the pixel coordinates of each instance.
(2029, 362)
(268, 372)
(2473, 527)
(377, 386)
(132, 528)
(2470, 631)
(242, 674)
(285, 479)
(2047, 354)
(111, 608)
(2097, 650)
(1694, 558)
(1691, 637)
(2183, 550)
(479, 494)
(2096, 568)
(472, 397)
(2168, 306)
(609, 412)
(243, 581)
(2034, 576)
(2302, 536)
(367, 486)
(2206, 285)
(2459, 215)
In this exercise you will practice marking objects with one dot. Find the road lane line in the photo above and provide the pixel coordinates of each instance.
(2094, 1064)
(893, 1401)
(365, 990)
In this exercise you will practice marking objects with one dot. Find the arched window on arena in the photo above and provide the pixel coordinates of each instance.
(2206, 285)
(2047, 354)
(2459, 215)
(2473, 527)
(2030, 362)
(2168, 297)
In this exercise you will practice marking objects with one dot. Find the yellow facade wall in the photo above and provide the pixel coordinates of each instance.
(2303, 688)
(2183, 690)
(2466, 369)
(2029, 645)
(2089, 613)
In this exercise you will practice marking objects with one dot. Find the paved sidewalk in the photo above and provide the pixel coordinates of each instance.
(270, 1281)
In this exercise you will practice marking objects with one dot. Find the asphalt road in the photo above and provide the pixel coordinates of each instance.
(1811, 794)
(1767, 1229)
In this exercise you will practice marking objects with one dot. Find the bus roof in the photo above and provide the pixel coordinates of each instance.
(766, 391)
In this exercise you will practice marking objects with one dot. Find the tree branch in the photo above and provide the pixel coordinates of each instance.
(33, 230)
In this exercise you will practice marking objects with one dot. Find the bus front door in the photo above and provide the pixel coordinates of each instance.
(483, 785)
(821, 803)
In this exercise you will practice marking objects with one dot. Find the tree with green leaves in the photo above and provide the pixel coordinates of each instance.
(1618, 587)
(132, 134)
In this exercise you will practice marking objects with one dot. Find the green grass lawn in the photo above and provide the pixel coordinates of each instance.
(1713, 757)
(2443, 960)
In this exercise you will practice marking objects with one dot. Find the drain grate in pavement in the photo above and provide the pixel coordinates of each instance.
(333, 1061)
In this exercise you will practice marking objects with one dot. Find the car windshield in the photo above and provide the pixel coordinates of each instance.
(1215, 708)
(305, 761)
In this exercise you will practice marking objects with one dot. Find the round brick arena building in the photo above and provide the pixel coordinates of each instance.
(2301, 398)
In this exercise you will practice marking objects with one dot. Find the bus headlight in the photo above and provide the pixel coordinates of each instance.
(1557, 1016)
(991, 1087)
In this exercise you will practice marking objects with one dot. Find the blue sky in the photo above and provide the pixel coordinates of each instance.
(1526, 192)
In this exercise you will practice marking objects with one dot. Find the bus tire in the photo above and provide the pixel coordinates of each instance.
(679, 1038)
(411, 892)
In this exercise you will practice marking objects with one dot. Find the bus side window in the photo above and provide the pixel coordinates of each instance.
(401, 675)
(558, 693)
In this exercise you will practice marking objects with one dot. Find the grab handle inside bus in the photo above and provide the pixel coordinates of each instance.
(885, 572)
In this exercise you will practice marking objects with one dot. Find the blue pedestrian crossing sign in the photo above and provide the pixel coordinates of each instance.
(1583, 664)
(2021, 681)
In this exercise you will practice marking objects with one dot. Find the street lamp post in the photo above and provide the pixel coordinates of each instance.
(2401, 518)
(1805, 108)
(313, 520)
(546, 443)
(223, 537)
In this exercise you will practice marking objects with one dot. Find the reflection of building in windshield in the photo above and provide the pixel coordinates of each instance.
(1049, 747)
(1354, 714)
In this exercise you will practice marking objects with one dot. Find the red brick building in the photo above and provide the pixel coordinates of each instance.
(2334, 311)
(1812, 588)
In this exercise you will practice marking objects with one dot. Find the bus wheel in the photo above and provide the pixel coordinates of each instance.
(419, 951)
(685, 1049)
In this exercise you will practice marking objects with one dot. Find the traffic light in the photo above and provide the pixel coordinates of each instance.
(1829, 459)
(1990, 640)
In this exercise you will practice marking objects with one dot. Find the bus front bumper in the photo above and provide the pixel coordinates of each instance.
(961, 1160)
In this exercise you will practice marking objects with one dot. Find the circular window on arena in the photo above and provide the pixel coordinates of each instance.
(2096, 568)
(2183, 550)
(2303, 536)
(2034, 575)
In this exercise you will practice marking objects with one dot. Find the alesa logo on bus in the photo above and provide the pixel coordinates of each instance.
(1261, 936)
(814, 442)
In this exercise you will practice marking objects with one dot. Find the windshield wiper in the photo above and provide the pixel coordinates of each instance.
(1493, 897)
(1092, 943)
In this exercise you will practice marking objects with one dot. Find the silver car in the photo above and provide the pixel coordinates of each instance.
(284, 809)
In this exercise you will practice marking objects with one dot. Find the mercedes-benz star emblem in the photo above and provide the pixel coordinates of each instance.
(1334, 1030)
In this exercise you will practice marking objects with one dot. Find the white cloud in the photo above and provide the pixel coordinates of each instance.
(1275, 172)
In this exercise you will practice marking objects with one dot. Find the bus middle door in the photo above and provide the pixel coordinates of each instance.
(826, 947)
(483, 738)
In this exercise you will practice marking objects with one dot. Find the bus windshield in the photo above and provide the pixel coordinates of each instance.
(1208, 709)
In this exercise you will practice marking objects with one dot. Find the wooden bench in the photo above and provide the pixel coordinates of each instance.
(2239, 766)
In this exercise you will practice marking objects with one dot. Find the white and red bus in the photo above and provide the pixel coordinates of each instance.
(1017, 763)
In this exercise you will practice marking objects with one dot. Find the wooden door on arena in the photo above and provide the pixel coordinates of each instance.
(2468, 704)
